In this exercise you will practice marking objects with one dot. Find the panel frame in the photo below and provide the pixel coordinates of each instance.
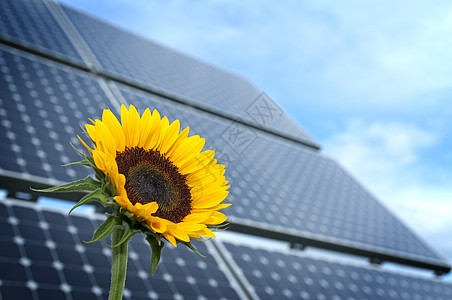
(301, 239)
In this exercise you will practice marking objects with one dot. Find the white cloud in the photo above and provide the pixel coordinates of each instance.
(386, 158)
(384, 147)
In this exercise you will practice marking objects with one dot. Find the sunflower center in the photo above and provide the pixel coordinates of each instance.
(151, 177)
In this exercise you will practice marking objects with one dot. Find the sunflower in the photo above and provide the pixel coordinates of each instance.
(159, 173)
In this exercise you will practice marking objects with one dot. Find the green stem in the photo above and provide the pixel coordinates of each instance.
(119, 267)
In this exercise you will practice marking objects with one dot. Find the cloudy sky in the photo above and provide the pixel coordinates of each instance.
(370, 80)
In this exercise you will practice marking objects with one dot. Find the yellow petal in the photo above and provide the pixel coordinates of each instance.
(84, 144)
(113, 125)
(170, 238)
(186, 227)
(189, 148)
(182, 136)
(99, 160)
(90, 130)
(170, 135)
(134, 126)
(145, 127)
(154, 132)
(199, 161)
(206, 232)
(180, 235)
(157, 226)
(125, 124)
(216, 218)
(198, 218)
(211, 200)
(151, 207)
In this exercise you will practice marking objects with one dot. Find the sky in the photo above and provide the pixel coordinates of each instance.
(371, 81)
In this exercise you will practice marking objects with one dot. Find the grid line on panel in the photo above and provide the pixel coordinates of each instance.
(235, 270)
(30, 24)
(67, 26)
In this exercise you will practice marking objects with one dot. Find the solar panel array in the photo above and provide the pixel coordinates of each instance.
(169, 72)
(280, 183)
(42, 256)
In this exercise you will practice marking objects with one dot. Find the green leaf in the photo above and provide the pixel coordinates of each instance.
(105, 229)
(128, 233)
(94, 196)
(190, 246)
(156, 246)
(86, 184)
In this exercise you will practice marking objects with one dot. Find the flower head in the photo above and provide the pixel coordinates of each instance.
(160, 174)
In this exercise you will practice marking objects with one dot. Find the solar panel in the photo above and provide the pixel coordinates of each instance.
(42, 105)
(31, 23)
(271, 274)
(184, 78)
(280, 186)
(42, 255)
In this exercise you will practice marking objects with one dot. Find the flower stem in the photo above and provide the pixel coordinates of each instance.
(119, 266)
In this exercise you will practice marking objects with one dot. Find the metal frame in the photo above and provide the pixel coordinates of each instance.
(375, 257)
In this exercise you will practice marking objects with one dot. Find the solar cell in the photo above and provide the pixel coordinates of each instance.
(31, 23)
(186, 79)
(55, 263)
(280, 186)
(271, 274)
(42, 105)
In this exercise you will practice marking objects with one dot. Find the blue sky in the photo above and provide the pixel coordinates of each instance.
(370, 80)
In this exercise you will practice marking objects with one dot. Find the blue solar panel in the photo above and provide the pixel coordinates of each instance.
(281, 186)
(42, 256)
(31, 23)
(187, 79)
(290, 275)
(42, 105)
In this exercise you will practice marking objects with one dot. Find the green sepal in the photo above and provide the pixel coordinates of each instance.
(86, 184)
(89, 160)
(105, 229)
(129, 231)
(82, 162)
(108, 188)
(219, 227)
(94, 196)
(190, 246)
(156, 247)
